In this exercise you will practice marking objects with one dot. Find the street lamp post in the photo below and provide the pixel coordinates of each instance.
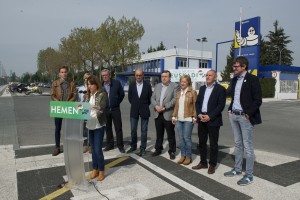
(204, 39)
(280, 51)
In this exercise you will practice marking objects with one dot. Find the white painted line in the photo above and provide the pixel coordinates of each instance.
(260, 189)
(37, 146)
(266, 158)
(8, 175)
(174, 179)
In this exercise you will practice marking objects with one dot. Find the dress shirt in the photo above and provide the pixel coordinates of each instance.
(237, 93)
(207, 94)
(139, 87)
(162, 94)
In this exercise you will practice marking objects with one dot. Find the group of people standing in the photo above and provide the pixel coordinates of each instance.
(175, 106)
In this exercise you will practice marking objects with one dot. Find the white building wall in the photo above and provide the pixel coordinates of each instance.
(193, 64)
(170, 62)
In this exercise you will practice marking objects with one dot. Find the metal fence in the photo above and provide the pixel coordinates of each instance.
(288, 86)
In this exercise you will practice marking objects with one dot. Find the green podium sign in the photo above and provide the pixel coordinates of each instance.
(70, 110)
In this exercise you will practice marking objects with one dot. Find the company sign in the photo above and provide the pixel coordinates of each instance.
(247, 42)
(197, 75)
(70, 110)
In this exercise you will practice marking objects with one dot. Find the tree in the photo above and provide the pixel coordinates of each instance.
(263, 52)
(13, 77)
(129, 32)
(79, 49)
(160, 47)
(228, 68)
(49, 60)
(25, 78)
(276, 48)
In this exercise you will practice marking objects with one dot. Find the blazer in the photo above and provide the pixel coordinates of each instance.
(116, 95)
(140, 105)
(168, 100)
(250, 99)
(215, 105)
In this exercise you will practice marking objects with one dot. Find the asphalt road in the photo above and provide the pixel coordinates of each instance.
(279, 132)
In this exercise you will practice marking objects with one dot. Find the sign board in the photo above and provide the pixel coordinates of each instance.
(70, 110)
(197, 75)
(247, 42)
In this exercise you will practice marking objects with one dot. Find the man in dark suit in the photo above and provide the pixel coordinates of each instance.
(243, 114)
(139, 96)
(209, 105)
(115, 93)
(163, 101)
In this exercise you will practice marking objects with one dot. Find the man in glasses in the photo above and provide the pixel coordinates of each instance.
(243, 114)
(82, 90)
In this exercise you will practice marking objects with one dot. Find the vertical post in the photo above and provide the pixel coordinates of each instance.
(217, 46)
(73, 149)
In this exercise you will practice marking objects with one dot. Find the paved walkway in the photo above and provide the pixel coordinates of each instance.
(31, 172)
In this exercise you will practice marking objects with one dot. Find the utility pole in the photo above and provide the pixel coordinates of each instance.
(204, 39)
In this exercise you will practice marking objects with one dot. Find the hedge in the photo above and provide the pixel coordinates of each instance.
(267, 87)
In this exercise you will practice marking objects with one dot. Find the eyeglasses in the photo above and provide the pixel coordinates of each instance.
(235, 66)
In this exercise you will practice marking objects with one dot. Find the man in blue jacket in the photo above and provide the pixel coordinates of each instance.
(116, 95)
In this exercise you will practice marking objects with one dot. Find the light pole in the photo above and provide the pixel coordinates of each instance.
(204, 39)
(280, 51)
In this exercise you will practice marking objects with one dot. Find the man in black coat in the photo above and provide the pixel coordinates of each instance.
(243, 114)
(139, 96)
(115, 93)
(209, 105)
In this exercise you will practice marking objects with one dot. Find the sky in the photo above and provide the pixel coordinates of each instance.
(26, 27)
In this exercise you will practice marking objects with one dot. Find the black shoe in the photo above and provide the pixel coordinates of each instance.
(156, 153)
(131, 150)
(142, 152)
(56, 151)
(172, 155)
(122, 150)
(108, 148)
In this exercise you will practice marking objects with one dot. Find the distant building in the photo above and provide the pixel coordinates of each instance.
(155, 62)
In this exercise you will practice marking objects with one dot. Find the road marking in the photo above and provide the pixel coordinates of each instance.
(266, 158)
(174, 179)
(67, 187)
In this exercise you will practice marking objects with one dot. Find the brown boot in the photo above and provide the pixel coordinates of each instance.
(181, 160)
(101, 175)
(94, 174)
(187, 161)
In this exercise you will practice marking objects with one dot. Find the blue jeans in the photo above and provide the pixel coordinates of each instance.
(243, 139)
(58, 124)
(184, 129)
(144, 129)
(96, 141)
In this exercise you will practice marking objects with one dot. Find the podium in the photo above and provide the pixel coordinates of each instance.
(73, 114)
(73, 156)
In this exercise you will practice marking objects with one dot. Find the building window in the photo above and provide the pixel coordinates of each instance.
(182, 62)
(203, 64)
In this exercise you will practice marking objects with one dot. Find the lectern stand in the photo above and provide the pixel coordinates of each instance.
(73, 114)
(73, 141)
